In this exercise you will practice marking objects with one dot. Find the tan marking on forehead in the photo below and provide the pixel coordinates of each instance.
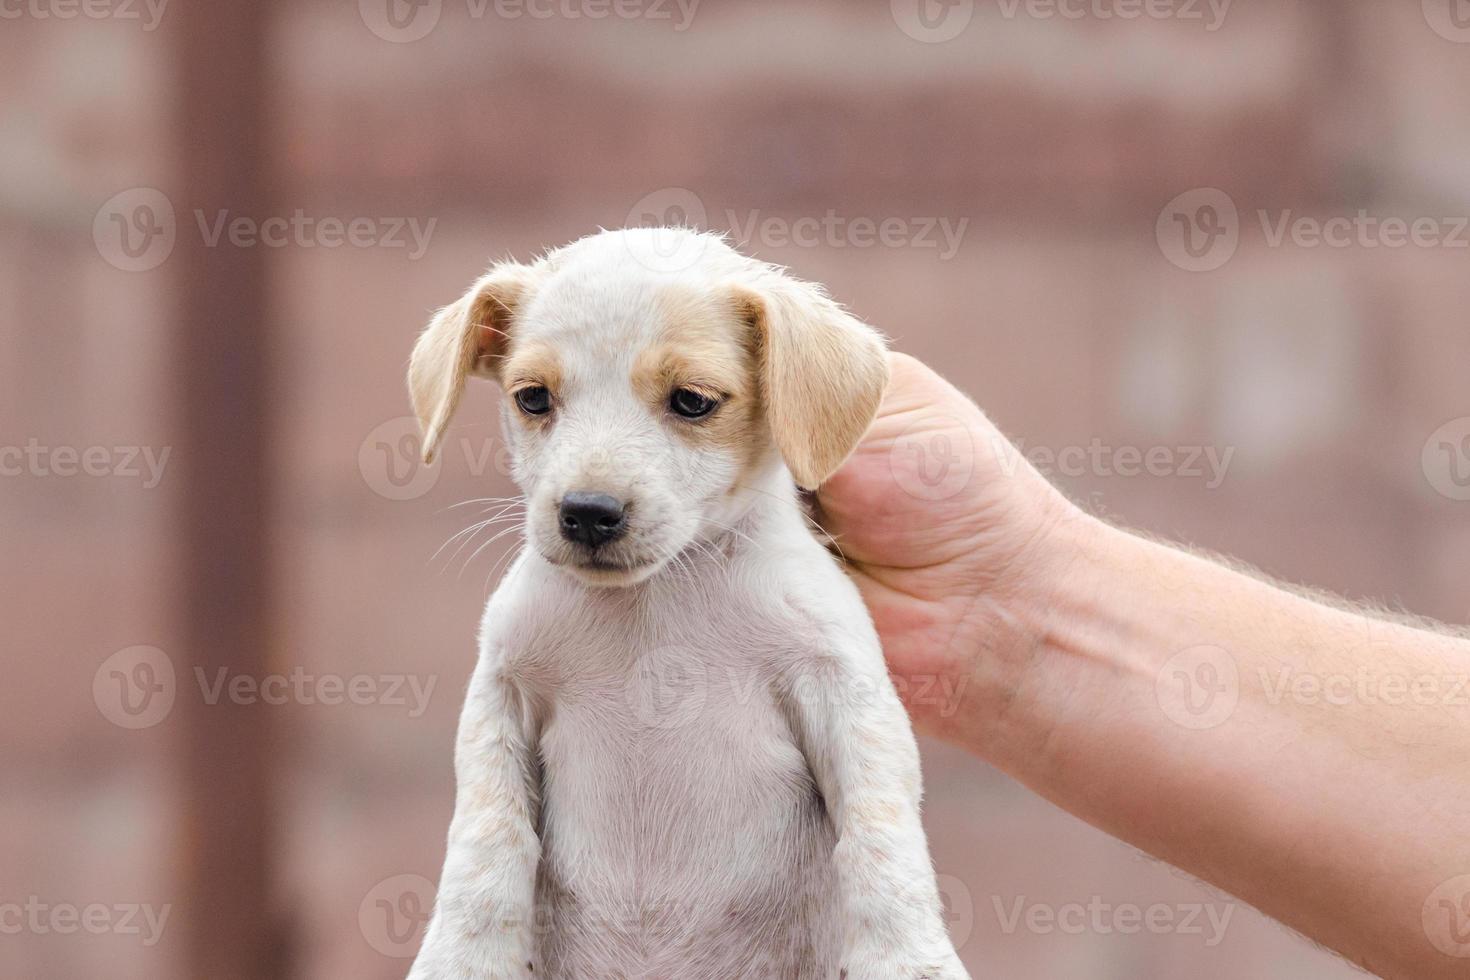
(698, 343)
(532, 362)
(702, 343)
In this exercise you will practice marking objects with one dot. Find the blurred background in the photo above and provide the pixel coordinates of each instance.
(1207, 262)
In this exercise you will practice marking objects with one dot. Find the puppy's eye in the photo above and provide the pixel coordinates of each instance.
(534, 400)
(690, 404)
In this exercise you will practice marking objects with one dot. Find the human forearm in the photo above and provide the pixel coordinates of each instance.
(1304, 758)
(1320, 769)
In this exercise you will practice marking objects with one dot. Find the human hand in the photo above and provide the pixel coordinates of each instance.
(1131, 683)
(956, 543)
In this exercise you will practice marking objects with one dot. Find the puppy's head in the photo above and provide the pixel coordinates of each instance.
(643, 406)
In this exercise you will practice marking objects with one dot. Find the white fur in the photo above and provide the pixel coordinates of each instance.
(700, 770)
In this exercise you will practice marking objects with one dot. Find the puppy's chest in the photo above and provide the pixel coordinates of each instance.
(662, 732)
(649, 664)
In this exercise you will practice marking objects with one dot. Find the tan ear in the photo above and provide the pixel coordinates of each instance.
(466, 338)
(822, 372)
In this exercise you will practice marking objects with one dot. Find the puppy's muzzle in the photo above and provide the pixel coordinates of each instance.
(592, 519)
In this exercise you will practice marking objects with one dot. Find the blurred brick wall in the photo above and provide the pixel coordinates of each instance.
(1052, 148)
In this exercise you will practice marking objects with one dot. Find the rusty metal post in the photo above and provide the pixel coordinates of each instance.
(221, 367)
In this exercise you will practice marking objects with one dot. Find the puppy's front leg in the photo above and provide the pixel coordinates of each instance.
(862, 754)
(483, 924)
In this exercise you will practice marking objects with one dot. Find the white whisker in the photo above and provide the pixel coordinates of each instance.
(494, 538)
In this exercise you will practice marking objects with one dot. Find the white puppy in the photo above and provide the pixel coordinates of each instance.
(681, 756)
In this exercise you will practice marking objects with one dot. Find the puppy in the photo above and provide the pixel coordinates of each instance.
(681, 756)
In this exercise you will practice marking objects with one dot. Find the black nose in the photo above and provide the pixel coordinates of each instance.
(591, 518)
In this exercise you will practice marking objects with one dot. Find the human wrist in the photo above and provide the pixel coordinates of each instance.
(1077, 625)
(1005, 642)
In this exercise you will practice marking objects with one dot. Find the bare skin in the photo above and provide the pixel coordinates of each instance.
(1310, 759)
